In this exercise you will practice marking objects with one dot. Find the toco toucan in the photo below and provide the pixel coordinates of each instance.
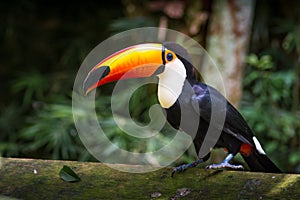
(182, 96)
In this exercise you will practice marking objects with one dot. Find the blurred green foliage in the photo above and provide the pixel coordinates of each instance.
(55, 135)
(271, 84)
(44, 42)
(33, 84)
(266, 107)
(42, 46)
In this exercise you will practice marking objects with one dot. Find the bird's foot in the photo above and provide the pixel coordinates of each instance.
(183, 167)
(179, 168)
(225, 165)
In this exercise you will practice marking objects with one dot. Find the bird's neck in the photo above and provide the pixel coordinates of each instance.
(170, 84)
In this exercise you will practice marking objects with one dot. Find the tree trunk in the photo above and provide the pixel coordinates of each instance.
(227, 42)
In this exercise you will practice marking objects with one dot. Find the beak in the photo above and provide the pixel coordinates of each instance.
(143, 60)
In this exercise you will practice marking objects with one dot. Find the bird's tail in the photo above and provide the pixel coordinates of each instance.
(258, 161)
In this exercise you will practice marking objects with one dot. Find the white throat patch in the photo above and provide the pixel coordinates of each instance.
(170, 83)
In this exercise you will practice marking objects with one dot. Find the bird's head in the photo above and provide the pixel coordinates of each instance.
(168, 61)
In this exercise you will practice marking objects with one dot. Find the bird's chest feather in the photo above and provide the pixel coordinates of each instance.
(182, 115)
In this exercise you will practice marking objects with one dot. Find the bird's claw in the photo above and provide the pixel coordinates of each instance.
(180, 168)
(225, 165)
(183, 167)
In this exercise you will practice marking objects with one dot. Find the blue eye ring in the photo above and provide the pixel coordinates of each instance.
(169, 57)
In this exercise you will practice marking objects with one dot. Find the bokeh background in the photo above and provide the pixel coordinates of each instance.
(256, 44)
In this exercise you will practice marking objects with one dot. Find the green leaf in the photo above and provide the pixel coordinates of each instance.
(252, 59)
(68, 175)
(265, 63)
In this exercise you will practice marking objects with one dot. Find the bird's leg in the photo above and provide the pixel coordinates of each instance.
(225, 164)
(183, 167)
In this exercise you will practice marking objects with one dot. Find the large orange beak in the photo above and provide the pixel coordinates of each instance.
(143, 60)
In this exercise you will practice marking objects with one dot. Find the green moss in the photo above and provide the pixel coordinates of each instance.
(101, 182)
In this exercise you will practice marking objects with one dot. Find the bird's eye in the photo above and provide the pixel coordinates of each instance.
(169, 56)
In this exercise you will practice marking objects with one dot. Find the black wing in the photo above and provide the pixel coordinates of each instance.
(211, 102)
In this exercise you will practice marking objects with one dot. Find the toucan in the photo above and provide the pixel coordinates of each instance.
(181, 95)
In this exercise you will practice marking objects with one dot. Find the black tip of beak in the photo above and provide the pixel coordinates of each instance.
(94, 77)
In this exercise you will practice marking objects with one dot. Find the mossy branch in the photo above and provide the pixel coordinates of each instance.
(39, 179)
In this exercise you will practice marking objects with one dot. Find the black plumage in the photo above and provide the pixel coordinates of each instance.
(197, 102)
